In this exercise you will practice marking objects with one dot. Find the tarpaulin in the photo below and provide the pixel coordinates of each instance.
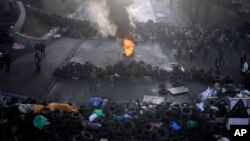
(175, 127)
(98, 112)
(96, 101)
(60, 106)
(40, 121)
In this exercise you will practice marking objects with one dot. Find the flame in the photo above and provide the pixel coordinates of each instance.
(128, 47)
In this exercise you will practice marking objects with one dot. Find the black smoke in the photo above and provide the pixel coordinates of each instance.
(119, 16)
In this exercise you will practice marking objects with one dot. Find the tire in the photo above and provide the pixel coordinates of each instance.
(185, 104)
(164, 133)
(85, 111)
(216, 79)
(186, 112)
(207, 128)
(158, 117)
(228, 79)
(172, 78)
(195, 112)
(109, 70)
(120, 109)
(132, 110)
(149, 128)
(150, 115)
(77, 137)
(162, 86)
(174, 139)
(139, 132)
(181, 78)
(117, 126)
(76, 116)
(112, 109)
(141, 121)
(175, 106)
(217, 71)
(159, 108)
(155, 136)
(128, 127)
(169, 115)
(163, 91)
(74, 125)
(60, 137)
(87, 136)
(204, 117)
(57, 114)
(45, 112)
(195, 137)
(50, 129)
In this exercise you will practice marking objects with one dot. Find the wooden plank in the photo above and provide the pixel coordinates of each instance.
(178, 90)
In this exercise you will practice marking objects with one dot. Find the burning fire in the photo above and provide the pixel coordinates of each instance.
(128, 47)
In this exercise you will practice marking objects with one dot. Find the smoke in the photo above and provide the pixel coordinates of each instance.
(110, 17)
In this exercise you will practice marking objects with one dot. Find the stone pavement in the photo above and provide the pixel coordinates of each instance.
(24, 80)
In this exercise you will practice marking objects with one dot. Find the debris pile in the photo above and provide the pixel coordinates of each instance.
(108, 119)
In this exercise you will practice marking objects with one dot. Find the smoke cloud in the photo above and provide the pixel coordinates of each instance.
(110, 17)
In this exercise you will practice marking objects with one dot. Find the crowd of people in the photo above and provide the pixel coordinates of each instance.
(68, 26)
(197, 43)
(190, 40)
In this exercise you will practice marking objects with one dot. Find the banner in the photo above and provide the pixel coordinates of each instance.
(18, 46)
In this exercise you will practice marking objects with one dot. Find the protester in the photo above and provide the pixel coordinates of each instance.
(243, 57)
(42, 49)
(191, 56)
(205, 54)
(217, 59)
(1, 65)
(93, 81)
(7, 61)
(244, 69)
(37, 46)
(38, 61)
